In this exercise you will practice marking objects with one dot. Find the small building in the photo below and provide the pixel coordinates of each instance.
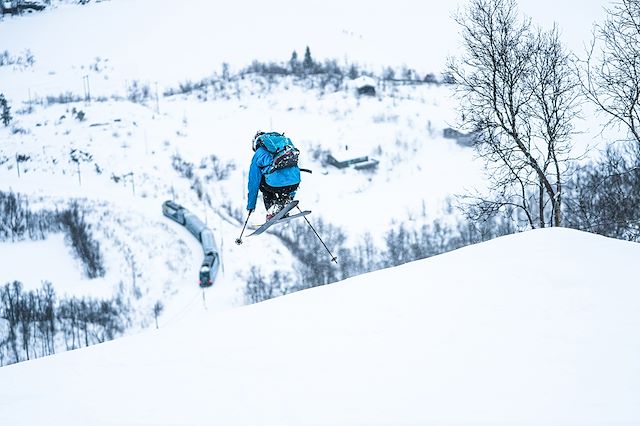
(366, 90)
(18, 6)
(463, 139)
(364, 85)
(358, 163)
(6, 6)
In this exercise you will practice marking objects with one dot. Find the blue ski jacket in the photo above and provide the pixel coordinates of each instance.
(261, 166)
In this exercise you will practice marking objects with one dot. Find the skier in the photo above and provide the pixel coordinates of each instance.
(278, 186)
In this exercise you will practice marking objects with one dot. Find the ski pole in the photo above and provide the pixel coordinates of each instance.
(239, 239)
(333, 258)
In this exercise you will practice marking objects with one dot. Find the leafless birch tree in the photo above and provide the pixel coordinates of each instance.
(518, 93)
(611, 77)
(606, 197)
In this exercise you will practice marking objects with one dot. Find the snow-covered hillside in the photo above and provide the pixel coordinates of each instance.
(119, 83)
(131, 172)
(131, 144)
(161, 41)
(120, 105)
(538, 328)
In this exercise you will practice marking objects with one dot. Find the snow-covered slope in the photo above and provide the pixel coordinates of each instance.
(105, 48)
(538, 328)
(133, 144)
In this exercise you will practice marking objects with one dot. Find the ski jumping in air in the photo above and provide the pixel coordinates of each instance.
(274, 171)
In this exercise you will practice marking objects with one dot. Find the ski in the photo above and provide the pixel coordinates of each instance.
(274, 219)
(293, 216)
(283, 220)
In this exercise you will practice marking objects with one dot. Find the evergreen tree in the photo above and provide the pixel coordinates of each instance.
(5, 111)
(307, 63)
(226, 74)
(294, 63)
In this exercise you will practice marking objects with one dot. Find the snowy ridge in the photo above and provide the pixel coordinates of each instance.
(538, 328)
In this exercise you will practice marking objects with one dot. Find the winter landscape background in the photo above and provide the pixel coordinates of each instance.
(117, 106)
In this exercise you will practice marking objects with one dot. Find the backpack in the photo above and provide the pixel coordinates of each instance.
(285, 154)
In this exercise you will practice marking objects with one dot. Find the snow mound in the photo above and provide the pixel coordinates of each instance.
(538, 328)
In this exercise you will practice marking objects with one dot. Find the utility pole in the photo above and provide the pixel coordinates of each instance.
(87, 89)
(133, 185)
(157, 100)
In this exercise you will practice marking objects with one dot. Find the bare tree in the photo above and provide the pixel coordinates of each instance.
(259, 289)
(26, 311)
(15, 213)
(158, 307)
(5, 111)
(612, 79)
(518, 95)
(606, 196)
(10, 296)
(79, 235)
(555, 91)
(46, 299)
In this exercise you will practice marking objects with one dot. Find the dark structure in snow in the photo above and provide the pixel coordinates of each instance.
(18, 6)
(364, 86)
(367, 90)
(184, 217)
(358, 163)
(464, 139)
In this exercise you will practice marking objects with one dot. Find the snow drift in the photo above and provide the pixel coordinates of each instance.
(539, 328)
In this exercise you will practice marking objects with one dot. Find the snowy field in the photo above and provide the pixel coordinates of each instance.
(539, 328)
